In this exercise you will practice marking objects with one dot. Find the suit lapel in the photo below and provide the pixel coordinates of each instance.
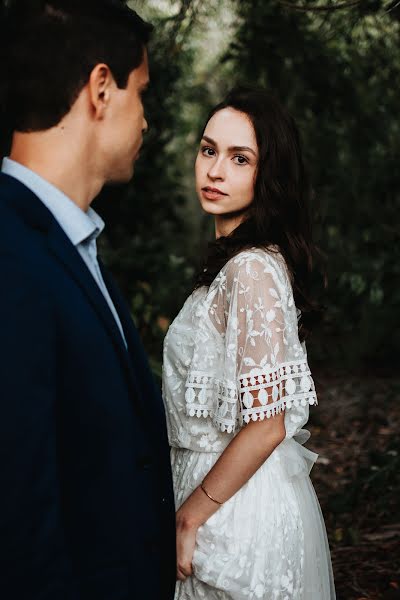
(121, 308)
(67, 254)
(25, 203)
(139, 362)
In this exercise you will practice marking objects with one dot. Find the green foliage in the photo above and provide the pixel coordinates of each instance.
(339, 74)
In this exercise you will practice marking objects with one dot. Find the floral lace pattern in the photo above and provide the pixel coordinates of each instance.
(243, 329)
(233, 356)
(288, 385)
(204, 392)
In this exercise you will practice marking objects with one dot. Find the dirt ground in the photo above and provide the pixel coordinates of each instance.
(356, 431)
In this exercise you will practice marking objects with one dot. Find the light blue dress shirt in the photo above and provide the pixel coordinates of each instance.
(80, 227)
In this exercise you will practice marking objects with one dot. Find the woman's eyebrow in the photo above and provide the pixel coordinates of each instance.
(231, 148)
(209, 141)
(241, 149)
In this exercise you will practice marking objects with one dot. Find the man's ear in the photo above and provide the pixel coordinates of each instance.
(101, 82)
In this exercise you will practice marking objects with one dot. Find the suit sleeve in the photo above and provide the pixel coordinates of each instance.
(34, 561)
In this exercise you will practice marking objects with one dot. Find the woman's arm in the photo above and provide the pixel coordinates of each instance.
(253, 297)
(240, 460)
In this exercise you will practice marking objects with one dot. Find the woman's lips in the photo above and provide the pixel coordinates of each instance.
(212, 193)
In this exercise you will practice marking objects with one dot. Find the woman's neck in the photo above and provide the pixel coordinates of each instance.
(225, 224)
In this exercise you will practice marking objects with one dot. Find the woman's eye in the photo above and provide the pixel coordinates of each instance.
(240, 160)
(207, 151)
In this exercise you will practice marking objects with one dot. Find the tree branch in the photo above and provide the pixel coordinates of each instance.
(393, 6)
(325, 8)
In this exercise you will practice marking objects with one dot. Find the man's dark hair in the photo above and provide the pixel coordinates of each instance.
(50, 47)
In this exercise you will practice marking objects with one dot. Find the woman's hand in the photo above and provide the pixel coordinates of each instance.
(185, 543)
(193, 513)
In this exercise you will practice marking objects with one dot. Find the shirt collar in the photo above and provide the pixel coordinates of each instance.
(78, 225)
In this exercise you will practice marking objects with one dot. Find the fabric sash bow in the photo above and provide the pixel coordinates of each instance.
(299, 460)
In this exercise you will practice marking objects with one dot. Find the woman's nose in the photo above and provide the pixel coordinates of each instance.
(216, 170)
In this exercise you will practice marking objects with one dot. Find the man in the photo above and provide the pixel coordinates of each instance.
(86, 504)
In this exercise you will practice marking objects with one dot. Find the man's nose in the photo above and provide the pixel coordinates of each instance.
(145, 126)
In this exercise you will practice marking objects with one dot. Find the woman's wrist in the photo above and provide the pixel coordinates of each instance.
(186, 521)
(207, 493)
(195, 511)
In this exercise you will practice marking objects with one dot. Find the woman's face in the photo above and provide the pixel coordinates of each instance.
(226, 163)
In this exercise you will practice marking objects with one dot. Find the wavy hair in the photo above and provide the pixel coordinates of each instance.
(280, 213)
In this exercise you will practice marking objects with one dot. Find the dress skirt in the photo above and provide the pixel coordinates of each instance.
(268, 542)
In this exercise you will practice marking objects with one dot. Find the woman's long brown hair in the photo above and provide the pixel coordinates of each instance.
(280, 214)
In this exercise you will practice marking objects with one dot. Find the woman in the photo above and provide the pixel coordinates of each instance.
(237, 386)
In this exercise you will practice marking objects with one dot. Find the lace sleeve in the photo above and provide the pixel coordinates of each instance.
(261, 342)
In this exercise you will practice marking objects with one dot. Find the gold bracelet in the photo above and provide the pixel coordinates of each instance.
(209, 495)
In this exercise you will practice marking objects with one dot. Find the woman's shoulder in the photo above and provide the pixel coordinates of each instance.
(255, 263)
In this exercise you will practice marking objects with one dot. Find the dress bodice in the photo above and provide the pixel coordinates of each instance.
(233, 355)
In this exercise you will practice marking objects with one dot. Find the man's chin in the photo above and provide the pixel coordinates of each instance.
(121, 177)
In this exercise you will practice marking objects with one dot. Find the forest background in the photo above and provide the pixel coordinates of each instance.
(336, 65)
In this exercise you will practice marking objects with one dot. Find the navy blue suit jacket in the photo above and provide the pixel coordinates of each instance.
(86, 502)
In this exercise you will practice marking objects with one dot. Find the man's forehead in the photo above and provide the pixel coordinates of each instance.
(144, 82)
(143, 70)
(139, 77)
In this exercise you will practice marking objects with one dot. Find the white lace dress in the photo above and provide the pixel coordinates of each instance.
(233, 340)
